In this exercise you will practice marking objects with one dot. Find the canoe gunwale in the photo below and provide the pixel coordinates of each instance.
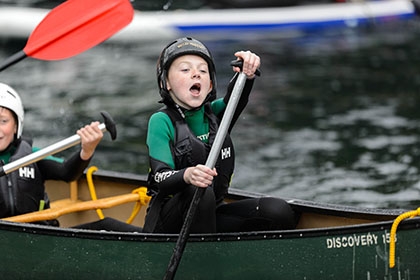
(413, 223)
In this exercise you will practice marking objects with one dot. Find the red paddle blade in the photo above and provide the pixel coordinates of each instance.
(76, 26)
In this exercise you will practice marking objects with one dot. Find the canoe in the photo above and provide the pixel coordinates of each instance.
(18, 22)
(330, 242)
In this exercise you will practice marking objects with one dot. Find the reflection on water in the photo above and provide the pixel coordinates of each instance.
(334, 116)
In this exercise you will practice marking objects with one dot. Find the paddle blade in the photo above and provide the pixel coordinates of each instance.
(76, 26)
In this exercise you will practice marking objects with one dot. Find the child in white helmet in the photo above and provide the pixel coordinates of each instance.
(23, 191)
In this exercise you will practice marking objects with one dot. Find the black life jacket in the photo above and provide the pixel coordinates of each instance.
(188, 150)
(21, 191)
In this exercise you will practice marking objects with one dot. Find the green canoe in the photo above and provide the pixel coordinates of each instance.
(331, 242)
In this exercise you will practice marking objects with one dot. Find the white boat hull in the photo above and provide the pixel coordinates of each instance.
(19, 22)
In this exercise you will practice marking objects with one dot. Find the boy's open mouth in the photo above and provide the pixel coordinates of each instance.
(195, 88)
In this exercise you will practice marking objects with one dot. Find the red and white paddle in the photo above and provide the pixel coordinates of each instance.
(74, 27)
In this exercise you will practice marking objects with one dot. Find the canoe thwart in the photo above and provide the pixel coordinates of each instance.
(76, 206)
(79, 206)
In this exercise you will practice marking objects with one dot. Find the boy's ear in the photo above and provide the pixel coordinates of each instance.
(168, 85)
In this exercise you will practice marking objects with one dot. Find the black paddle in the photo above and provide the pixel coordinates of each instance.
(74, 27)
(108, 125)
(211, 162)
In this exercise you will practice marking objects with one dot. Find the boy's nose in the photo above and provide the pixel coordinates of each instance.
(196, 74)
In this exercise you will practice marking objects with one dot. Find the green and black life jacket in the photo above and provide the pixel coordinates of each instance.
(188, 150)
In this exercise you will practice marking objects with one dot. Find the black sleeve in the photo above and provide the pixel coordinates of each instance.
(164, 179)
(69, 170)
(243, 101)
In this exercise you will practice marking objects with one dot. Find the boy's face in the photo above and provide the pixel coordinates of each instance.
(189, 81)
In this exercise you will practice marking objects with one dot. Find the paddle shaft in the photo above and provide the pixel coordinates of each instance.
(12, 60)
(47, 151)
(211, 162)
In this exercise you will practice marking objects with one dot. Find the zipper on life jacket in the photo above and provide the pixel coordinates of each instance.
(10, 192)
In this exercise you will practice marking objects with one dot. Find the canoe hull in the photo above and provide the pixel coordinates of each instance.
(339, 253)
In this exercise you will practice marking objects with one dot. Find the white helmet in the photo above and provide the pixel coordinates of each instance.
(10, 99)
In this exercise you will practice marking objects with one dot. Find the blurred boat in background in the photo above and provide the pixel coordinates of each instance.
(18, 22)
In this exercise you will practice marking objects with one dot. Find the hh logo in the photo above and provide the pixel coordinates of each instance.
(226, 153)
(27, 172)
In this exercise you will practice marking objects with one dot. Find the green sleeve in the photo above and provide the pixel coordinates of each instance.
(218, 106)
(160, 135)
(57, 159)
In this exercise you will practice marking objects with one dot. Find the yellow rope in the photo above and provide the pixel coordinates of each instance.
(143, 200)
(397, 221)
(141, 191)
(92, 191)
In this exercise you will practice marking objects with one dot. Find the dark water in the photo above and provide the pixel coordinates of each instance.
(335, 116)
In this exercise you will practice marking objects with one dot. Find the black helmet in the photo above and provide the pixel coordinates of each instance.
(177, 48)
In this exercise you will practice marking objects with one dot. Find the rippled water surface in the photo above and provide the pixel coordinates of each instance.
(335, 116)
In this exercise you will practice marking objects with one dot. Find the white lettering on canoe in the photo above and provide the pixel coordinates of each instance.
(354, 240)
